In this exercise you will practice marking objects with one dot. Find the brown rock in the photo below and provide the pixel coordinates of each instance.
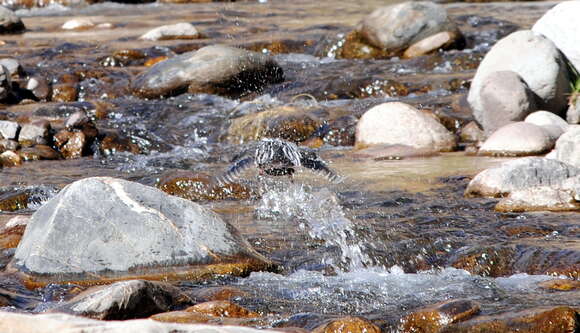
(285, 122)
(355, 46)
(10, 159)
(437, 316)
(71, 144)
(182, 317)
(219, 293)
(64, 93)
(39, 152)
(438, 41)
(545, 320)
(13, 201)
(560, 284)
(348, 324)
(152, 61)
(39, 87)
(8, 145)
(113, 143)
(222, 309)
(472, 133)
(196, 187)
(10, 237)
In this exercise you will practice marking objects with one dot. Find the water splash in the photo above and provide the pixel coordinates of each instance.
(320, 214)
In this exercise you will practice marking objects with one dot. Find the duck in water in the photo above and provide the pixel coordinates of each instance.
(277, 157)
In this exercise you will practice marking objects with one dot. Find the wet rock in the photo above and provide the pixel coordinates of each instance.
(9, 22)
(399, 123)
(434, 317)
(8, 145)
(285, 122)
(471, 133)
(128, 234)
(546, 320)
(225, 293)
(39, 87)
(39, 152)
(64, 92)
(502, 97)
(10, 236)
(222, 309)
(10, 159)
(197, 187)
(50, 323)
(567, 147)
(517, 174)
(78, 24)
(340, 131)
(553, 124)
(36, 132)
(536, 60)
(71, 144)
(183, 317)
(393, 152)
(112, 143)
(439, 41)
(12, 65)
(13, 201)
(559, 24)
(394, 28)
(518, 139)
(215, 69)
(125, 300)
(182, 30)
(348, 324)
(560, 197)
(5, 83)
(78, 120)
(560, 285)
(9, 129)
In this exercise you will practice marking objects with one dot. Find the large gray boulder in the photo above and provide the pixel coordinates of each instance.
(504, 97)
(518, 139)
(216, 69)
(561, 25)
(396, 27)
(398, 123)
(536, 60)
(50, 323)
(517, 174)
(567, 147)
(104, 228)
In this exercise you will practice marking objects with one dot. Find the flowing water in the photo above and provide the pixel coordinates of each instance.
(393, 236)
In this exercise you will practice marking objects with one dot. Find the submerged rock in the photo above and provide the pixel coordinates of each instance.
(546, 320)
(9, 22)
(518, 139)
(125, 300)
(517, 174)
(536, 60)
(503, 97)
(348, 324)
(182, 30)
(434, 317)
(101, 229)
(399, 123)
(216, 69)
(222, 309)
(560, 284)
(560, 24)
(197, 187)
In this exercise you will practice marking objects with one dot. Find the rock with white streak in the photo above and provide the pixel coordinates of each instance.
(174, 31)
(518, 139)
(102, 229)
(518, 174)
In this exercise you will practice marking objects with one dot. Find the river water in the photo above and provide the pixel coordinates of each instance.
(393, 236)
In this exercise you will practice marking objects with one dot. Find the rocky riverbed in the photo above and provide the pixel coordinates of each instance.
(436, 185)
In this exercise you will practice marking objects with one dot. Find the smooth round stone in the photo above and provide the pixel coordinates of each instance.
(536, 60)
(552, 123)
(436, 316)
(12, 65)
(401, 124)
(568, 146)
(174, 31)
(440, 40)
(518, 139)
(78, 24)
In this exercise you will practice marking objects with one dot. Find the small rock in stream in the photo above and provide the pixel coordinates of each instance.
(434, 317)
(348, 324)
(39, 152)
(216, 69)
(518, 139)
(567, 147)
(36, 132)
(39, 87)
(9, 22)
(78, 24)
(5, 83)
(10, 159)
(222, 309)
(12, 65)
(182, 30)
(9, 130)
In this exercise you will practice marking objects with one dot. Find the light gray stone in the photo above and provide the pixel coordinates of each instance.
(568, 146)
(561, 25)
(8, 145)
(504, 97)
(35, 132)
(125, 300)
(518, 139)
(182, 30)
(518, 174)
(398, 123)
(573, 112)
(11, 322)
(536, 60)
(216, 69)
(12, 65)
(9, 22)
(396, 27)
(39, 87)
(106, 228)
(9, 129)
(552, 123)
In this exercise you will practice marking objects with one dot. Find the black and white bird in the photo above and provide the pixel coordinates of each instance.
(277, 157)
